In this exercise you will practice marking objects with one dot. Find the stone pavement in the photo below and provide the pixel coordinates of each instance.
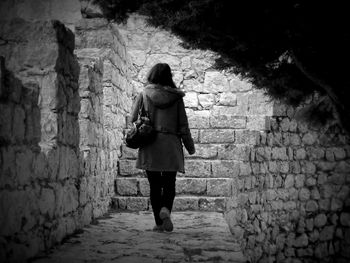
(127, 237)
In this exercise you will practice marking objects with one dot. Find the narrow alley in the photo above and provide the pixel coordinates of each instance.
(127, 237)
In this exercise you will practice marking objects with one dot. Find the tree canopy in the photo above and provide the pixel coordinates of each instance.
(289, 48)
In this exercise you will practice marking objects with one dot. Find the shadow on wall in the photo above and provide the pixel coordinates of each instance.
(39, 134)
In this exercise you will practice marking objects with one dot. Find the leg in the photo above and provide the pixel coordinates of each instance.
(168, 182)
(154, 179)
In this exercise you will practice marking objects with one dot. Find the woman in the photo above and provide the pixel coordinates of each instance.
(163, 157)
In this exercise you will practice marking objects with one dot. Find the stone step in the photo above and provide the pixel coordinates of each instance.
(211, 187)
(181, 203)
(199, 168)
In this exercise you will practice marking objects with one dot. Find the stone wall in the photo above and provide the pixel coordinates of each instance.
(58, 163)
(105, 94)
(225, 114)
(39, 138)
(293, 201)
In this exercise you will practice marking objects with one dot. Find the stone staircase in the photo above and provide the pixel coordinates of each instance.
(207, 185)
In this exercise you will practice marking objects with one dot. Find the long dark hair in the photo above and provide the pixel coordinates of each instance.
(161, 74)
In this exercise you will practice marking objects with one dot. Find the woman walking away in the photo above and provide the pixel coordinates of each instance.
(163, 157)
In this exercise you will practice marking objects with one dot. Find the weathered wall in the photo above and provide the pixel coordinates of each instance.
(225, 116)
(39, 138)
(105, 94)
(58, 164)
(293, 201)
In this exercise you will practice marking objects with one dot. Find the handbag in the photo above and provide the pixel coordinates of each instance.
(142, 131)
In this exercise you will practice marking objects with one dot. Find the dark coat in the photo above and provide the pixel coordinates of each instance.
(167, 113)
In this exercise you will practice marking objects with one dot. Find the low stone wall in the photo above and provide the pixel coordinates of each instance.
(293, 199)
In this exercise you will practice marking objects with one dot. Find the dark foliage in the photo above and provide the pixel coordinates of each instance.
(289, 48)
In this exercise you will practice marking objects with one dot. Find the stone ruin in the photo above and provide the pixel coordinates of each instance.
(66, 89)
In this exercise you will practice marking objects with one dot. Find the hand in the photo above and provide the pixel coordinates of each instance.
(192, 152)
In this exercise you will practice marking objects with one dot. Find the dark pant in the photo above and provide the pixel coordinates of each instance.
(162, 186)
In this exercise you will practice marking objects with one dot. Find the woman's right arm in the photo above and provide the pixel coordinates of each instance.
(184, 130)
(135, 108)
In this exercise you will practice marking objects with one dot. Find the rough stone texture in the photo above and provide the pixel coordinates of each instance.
(39, 138)
(105, 97)
(292, 203)
(128, 237)
(62, 131)
(218, 105)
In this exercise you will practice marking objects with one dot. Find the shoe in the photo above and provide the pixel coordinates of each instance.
(164, 214)
(158, 228)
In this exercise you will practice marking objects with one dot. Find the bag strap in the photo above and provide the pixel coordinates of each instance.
(145, 104)
(140, 109)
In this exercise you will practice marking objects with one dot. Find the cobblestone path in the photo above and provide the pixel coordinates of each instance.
(127, 237)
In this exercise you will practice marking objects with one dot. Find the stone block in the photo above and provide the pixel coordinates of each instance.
(304, 194)
(191, 186)
(345, 219)
(289, 181)
(215, 82)
(245, 169)
(336, 204)
(127, 168)
(258, 123)
(6, 120)
(301, 241)
(279, 153)
(239, 85)
(2, 77)
(327, 233)
(126, 186)
(315, 153)
(238, 110)
(24, 160)
(18, 128)
(212, 204)
(309, 138)
(299, 180)
(184, 203)
(300, 154)
(225, 169)
(247, 137)
(228, 121)
(206, 100)
(227, 99)
(219, 187)
(197, 168)
(277, 205)
(192, 85)
(311, 206)
(205, 151)
(47, 202)
(191, 100)
(137, 203)
(234, 152)
(198, 119)
(320, 220)
(143, 187)
(217, 136)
